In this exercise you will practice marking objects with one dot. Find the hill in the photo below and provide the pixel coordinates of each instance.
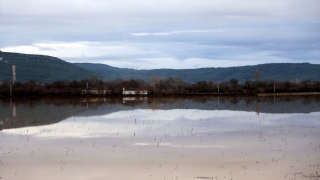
(39, 68)
(275, 71)
(43, 68)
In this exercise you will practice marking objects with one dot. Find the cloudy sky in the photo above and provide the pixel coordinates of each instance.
(152, 34)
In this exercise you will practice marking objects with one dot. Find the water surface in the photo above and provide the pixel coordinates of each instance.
(160, 138)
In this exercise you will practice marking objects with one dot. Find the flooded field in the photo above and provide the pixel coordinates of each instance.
(195, 138)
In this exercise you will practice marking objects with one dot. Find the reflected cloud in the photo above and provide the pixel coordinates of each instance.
(180, 146)
(186, 137)
(49, 111)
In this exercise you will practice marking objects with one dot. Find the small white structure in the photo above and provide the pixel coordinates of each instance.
(144, 92)
(95, 92)
(135, 99)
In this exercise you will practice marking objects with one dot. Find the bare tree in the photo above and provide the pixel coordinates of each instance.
(257, 75)
(153, 82)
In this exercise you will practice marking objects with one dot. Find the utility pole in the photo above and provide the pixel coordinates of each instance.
(14, 74)
(274, 87)
(13, 78)
(218, 87)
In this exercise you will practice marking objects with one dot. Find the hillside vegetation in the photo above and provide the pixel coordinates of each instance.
(39, 68)
(277, 72)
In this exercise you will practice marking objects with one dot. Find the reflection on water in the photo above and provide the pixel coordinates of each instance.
(161, 138)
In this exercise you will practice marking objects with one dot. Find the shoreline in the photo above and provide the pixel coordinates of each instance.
(289, 94)
(164, 95)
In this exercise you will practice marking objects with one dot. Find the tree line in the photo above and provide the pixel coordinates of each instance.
(157, 86)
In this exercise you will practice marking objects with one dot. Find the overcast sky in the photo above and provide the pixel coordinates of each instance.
(176, 34)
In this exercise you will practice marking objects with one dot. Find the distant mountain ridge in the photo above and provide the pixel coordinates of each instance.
(43, 68)
(274, 71)
(39, 68)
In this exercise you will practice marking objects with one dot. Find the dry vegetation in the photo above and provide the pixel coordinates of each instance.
(164, 86)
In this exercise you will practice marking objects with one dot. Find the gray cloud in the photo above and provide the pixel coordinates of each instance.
(177, 32)
(125, 33)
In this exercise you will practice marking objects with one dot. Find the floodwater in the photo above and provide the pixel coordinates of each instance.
(196, 138)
